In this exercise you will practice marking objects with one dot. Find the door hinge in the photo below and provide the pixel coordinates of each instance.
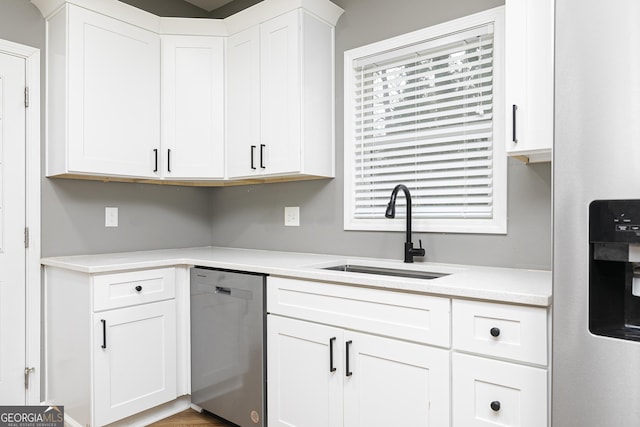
(26, 237)
(27, 371)
(26, 97)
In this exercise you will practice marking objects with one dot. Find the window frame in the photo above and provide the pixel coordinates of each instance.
(495, 225)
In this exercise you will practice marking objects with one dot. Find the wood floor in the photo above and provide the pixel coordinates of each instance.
(190, 418)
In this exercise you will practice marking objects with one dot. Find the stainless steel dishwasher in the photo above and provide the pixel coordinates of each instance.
(228, 343)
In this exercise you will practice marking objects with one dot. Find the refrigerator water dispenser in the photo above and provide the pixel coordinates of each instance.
(614, 268)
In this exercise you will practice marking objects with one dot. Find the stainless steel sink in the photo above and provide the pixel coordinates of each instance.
(383, 271)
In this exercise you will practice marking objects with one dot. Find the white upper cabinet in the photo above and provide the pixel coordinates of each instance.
(280, 94)
(243, 103)
(133, 96)
(103, 104)
(280, 98)
(529, 37)
(192, 107)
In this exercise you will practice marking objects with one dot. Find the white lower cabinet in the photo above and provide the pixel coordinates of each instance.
(322, 376)
(394, 383)
(494, 386)
(114, 344)
(134, 360)
(494, 393)
(340, 355)
(302, 388)
(323, 373)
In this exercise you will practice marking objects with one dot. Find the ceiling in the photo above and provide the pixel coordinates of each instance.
(209, 5)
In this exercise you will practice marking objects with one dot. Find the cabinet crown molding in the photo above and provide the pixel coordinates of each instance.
(268, 9)
(263, 11)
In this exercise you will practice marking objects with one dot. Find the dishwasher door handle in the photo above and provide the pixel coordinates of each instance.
(227, 292)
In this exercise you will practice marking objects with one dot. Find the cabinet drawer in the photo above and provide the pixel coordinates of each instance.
(412, 317)
(501, 330)
(134, 287)
(488, 393)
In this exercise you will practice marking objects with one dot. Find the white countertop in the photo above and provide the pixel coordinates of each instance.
(530, 287)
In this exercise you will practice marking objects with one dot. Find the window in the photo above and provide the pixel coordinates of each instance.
(426, 110)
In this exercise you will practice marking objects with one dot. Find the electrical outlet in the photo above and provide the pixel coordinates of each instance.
(110, 217)
(292, 216)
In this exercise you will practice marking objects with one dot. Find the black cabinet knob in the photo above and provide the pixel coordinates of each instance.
(495, 405)
(138, 288)
(495, 332)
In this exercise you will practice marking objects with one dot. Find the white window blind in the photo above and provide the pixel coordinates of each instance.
(422, 114)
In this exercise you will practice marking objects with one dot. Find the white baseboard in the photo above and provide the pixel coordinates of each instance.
(145, 418)
(70, 422)
(155, 414)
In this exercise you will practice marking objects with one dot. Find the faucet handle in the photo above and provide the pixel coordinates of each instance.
(420, 241)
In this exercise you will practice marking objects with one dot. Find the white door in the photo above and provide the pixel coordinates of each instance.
(134, 360)
(305, 373)
(12, 223)
(395, 383)
(193, 107)
(114, 96)
(280, 94)
(529, 75)
(243, 103)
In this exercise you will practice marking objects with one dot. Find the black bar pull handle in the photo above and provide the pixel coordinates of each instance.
(253, 149)
(155, 155)
(514, 136)
(222, 290)
(262, 156)
(104, 333)
(348, 372)
(331, 367)
(168, 159)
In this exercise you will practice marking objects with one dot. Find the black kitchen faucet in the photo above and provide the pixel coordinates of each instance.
(409, 250)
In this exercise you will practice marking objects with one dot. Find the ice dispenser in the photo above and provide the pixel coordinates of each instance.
(614, 268)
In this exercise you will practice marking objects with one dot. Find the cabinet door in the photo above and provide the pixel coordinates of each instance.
(243, 103)
(394, 383)
(114, 96)
(488, 392)
(134, 351)
(192, 107)
(304, 389)
(280, 62)
(529, 78)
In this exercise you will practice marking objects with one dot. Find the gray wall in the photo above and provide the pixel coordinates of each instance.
(252, 216)
(151, 217)
(231, 8)
(177, 8)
